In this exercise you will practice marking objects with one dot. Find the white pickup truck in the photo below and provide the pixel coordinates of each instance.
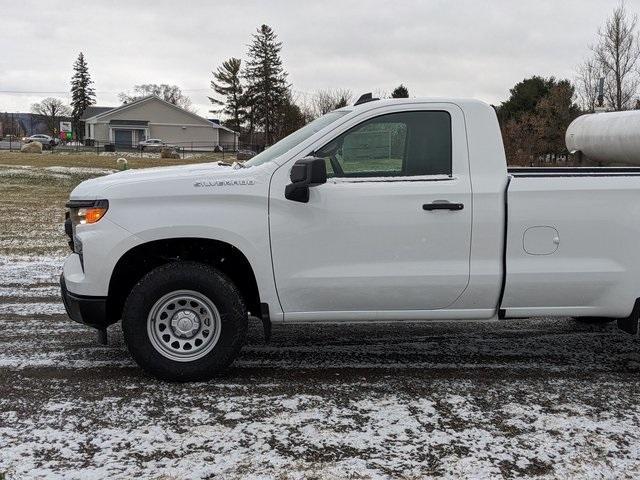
(390, 210)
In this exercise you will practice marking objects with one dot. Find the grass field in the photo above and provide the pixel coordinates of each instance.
(103, 160)
(34, 189)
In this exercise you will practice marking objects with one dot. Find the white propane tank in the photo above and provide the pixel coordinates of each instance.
(611, 138)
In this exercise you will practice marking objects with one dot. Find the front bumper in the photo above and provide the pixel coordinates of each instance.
(90, 311)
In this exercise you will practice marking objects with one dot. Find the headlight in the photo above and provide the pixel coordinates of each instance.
(82, 212)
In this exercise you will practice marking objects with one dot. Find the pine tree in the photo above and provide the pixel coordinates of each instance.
(82, 94)
(227, 83)
(400, 92)
(267, 87)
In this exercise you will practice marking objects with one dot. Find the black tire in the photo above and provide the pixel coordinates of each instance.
(183, 276)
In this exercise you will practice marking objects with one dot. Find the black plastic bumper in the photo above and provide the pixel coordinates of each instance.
(90, 311)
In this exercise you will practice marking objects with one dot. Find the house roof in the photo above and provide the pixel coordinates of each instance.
(93, 110)
(154, 97)
(222, 127)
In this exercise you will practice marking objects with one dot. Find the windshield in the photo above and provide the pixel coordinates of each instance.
(290, 141)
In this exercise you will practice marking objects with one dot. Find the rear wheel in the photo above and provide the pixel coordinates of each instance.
(184, 322)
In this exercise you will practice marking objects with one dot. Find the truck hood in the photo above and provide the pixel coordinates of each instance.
(173, 177)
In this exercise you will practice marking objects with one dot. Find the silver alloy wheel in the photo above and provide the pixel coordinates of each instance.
(184, 325)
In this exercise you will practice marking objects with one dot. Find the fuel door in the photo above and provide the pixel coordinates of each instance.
(541, 240)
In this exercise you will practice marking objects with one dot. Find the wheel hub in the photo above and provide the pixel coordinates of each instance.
(185, 323)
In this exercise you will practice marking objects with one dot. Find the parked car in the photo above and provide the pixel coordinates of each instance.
(391, 210)
(46, 140)
(153, 143)
(10, 138)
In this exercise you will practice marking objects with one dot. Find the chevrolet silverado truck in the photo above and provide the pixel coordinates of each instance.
(386, 211)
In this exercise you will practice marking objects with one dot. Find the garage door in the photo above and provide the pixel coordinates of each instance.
(124, 138)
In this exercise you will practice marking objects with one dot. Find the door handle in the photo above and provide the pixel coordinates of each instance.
(442, 205)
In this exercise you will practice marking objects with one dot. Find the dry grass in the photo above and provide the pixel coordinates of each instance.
(32, 195)
(81, 159)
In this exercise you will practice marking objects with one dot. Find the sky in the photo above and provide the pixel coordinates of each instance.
(454, 48)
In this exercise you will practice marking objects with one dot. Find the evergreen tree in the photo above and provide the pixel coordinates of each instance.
(82, 94)
(400, 92)
(266, 81)
(227, 83)
(524, 97)
(288, 118)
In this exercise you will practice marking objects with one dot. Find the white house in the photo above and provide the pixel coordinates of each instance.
(152, 117)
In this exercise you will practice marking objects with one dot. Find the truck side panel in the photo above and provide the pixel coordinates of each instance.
(572, 245)
(487, 166)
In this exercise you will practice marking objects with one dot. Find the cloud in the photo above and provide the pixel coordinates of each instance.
(436, 48)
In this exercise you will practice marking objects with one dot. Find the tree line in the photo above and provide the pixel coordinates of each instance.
(538, 111)
(253, 96)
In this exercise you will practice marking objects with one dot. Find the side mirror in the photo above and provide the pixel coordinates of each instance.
(306, 172)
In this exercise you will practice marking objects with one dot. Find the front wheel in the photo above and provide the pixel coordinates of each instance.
(184, 321)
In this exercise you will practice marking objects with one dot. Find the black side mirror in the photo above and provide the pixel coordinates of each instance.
(305, 173)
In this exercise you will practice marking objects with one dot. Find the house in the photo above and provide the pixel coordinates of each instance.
(152, 117)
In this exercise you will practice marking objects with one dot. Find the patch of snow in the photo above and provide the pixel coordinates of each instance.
(30, 270)
(35, 308)
(28, 291)
(81, 170)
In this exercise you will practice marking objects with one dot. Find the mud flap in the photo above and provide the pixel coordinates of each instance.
(102, 336)
(630, 323)
(266, 321)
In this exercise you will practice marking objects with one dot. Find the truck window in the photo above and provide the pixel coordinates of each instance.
(290, 141)
(392, 145)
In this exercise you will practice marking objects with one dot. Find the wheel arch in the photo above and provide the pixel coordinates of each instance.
(142, 258)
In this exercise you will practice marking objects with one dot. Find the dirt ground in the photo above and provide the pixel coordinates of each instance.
(539, 398)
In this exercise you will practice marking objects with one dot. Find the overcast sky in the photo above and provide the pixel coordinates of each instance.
(434, 47)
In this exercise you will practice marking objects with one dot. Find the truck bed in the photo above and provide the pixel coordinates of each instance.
(572, 237)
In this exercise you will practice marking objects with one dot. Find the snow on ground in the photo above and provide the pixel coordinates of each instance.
(29, 271)
(535, 398)
(80, 170)
(51, 172)
(528, 398)
(30, 285)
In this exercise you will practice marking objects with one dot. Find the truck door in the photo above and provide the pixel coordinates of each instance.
(390, 231)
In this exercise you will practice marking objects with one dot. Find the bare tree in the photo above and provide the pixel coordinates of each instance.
(169, 93)
(324, 101)
(588, 75)
(50, 110)
(617, 53)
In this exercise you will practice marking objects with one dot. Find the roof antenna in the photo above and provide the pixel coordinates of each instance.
(367, 97)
